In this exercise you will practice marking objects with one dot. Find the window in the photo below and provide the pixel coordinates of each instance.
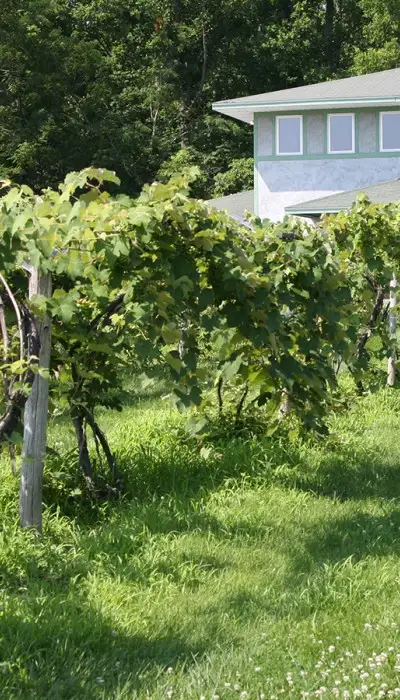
(390, 131)
(341, 133)
(289, 136)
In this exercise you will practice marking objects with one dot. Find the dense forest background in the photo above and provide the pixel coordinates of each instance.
(128, 84)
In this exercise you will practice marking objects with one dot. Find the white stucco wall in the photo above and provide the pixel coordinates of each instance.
(281, 183)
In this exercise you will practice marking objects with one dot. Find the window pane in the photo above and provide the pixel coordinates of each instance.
(391, 132)
(341, 133)
(289, 135)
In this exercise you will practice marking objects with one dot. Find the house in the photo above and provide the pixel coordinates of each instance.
(320, 140)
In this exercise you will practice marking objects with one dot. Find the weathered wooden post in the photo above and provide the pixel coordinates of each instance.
(35, 419)
(391, 378)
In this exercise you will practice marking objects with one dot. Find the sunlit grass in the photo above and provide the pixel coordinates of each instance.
(254, 569)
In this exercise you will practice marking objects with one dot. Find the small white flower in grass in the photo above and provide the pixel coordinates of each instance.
(170, 669)
(367, 627)
(244, 695)
(397, 668)
(169, 693)
(257, 669)
(262, 696)
(357, 692)
(236, 687)
(346, 678)
(99, 680)
(364, 688)
(346, 694)
(377, 676)
(381, 694)
(228, 685)
(335, 691)
(331, 649)
(215, 697)
(397, 691)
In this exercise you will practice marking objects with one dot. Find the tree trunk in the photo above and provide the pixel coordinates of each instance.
(83, 452)
(35, 420)
(391, 378)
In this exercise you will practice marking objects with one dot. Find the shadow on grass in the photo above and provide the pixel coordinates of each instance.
(358, 537)
(65, 650)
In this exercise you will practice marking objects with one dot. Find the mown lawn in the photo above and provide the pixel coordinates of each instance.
(255, 569)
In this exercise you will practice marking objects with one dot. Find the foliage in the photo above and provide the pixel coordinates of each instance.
(184, 159)
(140, 282)
(127, 85)
(380, 49)
(238, 178)
(368, 235)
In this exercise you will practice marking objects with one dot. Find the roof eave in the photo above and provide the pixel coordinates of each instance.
(245, 111)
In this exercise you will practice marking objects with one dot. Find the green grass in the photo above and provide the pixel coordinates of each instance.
(255, 568)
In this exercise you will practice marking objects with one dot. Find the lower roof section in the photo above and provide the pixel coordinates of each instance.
(235, 204)
(382, 193)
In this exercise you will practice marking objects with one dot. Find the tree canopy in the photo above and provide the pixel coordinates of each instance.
(127, 85)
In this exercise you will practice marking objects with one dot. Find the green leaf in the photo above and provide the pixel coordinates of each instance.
(230, 369)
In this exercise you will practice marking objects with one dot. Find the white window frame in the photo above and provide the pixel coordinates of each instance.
(353, 132)
(381, 149)
(289, 116)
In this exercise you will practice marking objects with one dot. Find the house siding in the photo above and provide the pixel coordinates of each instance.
(368, 132)
(284, 180)
(265, 135)
(316, 134)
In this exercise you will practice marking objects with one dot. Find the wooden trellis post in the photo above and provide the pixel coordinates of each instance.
(391, 378)
(35, 419)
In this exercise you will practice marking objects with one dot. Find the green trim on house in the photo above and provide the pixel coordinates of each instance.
(329, 156)
(306, 212)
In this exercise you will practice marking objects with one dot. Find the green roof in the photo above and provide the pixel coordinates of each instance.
(380, 89)
(383, 193)
(235, 204)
